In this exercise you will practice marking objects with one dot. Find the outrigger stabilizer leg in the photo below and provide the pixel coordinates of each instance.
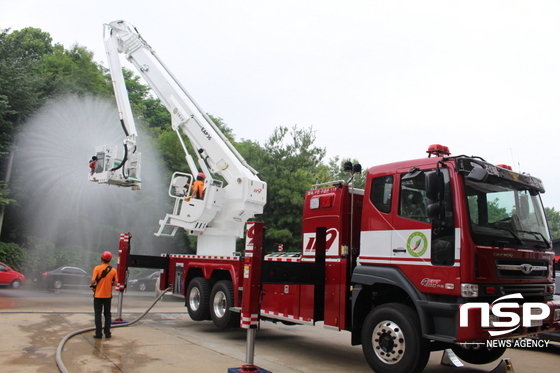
(251, 292)
(124, 250)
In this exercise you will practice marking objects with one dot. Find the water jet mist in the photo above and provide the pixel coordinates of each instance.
(59, 208)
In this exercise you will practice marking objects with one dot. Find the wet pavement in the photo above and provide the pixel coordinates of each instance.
(33, 323)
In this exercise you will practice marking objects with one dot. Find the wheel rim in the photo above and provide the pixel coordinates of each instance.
(16, 284)
(142, 287)
(57, 284)
(388, 342)
(194, 299)
(220, 304)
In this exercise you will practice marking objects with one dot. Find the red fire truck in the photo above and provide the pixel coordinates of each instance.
(395, 262)
(434, 253)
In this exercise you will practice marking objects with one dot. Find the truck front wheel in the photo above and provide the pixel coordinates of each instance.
(197, 299)
(392, 340)
(478, 354)
(221, 301)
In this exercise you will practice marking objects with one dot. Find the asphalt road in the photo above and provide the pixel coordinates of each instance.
(34, 322)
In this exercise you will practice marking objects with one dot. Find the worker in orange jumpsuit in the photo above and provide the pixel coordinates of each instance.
(103, 279)
(198, 187)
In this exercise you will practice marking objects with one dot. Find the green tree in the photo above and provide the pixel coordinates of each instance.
(137, 92)
(553, 218)
(28, 44)
(13, 255)
(156, 115)
(73, 71)
(172, 152)
(20, 82)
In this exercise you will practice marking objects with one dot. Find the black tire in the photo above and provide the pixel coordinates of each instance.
(478, 354)
(221, 301)
(57, 284)
(16, 284)
(392, 340)
(197, 299)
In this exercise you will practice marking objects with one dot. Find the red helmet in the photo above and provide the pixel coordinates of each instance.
(107, 256)
(200, 174)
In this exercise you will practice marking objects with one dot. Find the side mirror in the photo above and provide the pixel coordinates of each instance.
(478, 174)
(434, 186)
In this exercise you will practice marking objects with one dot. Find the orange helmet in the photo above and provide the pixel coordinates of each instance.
(107, 256)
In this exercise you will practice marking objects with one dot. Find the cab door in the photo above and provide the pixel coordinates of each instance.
(377, 219)
(411, 237)
(425, 247)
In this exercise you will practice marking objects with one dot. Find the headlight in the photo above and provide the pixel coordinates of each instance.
(557, 314)
(469, 290)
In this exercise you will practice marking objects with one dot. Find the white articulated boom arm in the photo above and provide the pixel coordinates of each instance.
(219, 218)
(119, 87)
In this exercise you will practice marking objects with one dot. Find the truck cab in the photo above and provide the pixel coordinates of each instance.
(440, 232)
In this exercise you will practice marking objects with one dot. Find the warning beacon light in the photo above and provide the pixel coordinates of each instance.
(505, 166)
(438, 150)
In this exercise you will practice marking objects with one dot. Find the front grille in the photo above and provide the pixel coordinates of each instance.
(524, 289)
(522, 268)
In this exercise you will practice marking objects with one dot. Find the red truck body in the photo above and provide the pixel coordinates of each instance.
(422, 239)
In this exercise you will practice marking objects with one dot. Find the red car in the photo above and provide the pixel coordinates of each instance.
(9, 277)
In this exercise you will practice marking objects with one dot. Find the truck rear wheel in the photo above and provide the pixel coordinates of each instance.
(221, 301)
(197, 299)
(478, 354)
(392, 340)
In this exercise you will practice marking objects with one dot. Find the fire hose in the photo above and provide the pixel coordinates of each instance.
(58, 355)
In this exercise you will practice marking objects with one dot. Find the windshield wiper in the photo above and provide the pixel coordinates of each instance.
(517, 238)
(539, 234)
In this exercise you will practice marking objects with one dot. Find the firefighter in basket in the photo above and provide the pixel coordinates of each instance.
(197, 191)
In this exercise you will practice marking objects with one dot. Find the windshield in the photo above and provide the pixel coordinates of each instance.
(503, 213)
